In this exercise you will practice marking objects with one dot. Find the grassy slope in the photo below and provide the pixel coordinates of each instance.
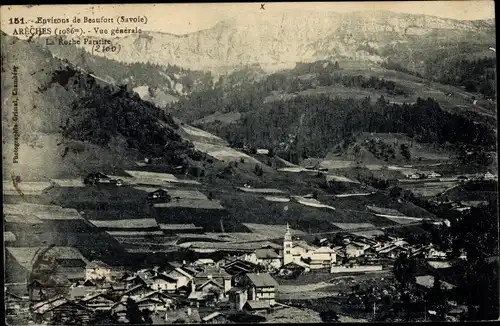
(418, 87)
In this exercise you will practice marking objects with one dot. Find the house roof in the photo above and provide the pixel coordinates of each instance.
(212, 316)
(324, 249)
(145, 300)
(89, 283)
(79, 291)
(211, 281)
(258, 304)
(213, 271)
(98, 263)
(8, 294)
(303, 244)
(205, 261)
(161, 294)
(266, 254)
(164, 277)
(236, 289)
(354, 244)
(57, 303)
(439, 264)
(35, 283)
(262, 280)
(42, 303)
(428, 282)
(96, 295)
(134, 288)
(197, 295)
(241, 264)
(182, 271)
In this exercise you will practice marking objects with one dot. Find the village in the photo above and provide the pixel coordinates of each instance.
(153, 247)
(250, 286)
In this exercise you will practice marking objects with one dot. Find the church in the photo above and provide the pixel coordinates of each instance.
(300, 252)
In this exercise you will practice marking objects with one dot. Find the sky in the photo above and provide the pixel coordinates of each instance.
(186, 18)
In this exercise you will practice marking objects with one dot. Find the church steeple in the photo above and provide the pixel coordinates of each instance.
(287, 246)
(288, 235)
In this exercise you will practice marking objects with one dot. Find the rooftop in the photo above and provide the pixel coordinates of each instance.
(258, 304)
(98, 263)
(262, 280)
(428, 282)
(214, 272)
(439, 264)
(266, 254)
(212, 316)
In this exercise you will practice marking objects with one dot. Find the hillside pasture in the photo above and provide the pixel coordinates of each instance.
(271, 230)
(260, 190)
(142, 223)
(99, 197)
(223, 153)
(68, 182)
(21, 219)
(191, 203)
(25, 188)
(337, 178)
(199, 135)
(354, 226)
(225, 118)
(401, 219)
(421, 88)
(294, 169)
(132, 234)
(43, 212)
(152, 175)
(212, 218)
(386, 211)
(311, 202)
(176, 193)
(336, 164)
(277, 199)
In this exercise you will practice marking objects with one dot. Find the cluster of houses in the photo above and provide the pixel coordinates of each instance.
(209, 288)
(422, 175)
(411, 174)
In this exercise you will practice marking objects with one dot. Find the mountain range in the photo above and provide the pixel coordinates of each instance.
(276, 41)
(67, 92)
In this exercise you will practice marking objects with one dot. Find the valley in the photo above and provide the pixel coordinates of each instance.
(336, 166)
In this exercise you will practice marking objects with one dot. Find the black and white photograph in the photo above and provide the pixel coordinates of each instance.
(226, 163)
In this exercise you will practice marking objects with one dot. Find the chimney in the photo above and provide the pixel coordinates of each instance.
(183, 262)
(209, 276)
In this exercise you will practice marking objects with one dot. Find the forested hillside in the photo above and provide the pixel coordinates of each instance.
(316, 124)
(246, 94)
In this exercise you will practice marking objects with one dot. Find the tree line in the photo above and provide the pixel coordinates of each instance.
(314, 125)
(244, 94)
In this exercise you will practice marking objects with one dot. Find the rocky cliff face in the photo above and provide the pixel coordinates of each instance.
(290, 37)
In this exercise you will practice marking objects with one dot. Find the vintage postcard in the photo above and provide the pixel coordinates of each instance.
(250, 162)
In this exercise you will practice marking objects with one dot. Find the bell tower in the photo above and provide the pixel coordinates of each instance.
(287, 246)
